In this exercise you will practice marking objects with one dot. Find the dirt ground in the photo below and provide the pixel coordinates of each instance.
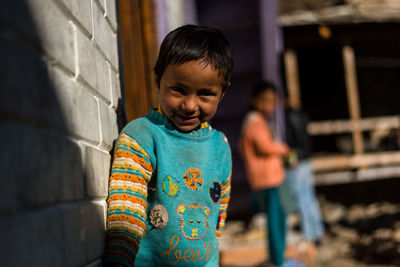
(359, 235)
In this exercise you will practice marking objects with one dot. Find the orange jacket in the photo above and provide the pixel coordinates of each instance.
(262, 155)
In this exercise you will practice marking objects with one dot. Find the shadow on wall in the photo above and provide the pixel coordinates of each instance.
(46, 215)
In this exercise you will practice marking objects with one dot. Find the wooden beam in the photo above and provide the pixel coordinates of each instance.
(370, 174)
(135, 21)
(292, 78)
(346, 126)
(150, 47)
(352, 97)
(343, 162)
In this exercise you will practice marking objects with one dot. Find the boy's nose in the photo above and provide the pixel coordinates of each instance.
(190, 104)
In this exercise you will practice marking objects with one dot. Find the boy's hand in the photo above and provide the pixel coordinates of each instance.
(286, 150)
(291, 159)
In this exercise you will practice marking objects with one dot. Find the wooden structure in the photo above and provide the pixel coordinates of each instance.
(358, 62)
(138, 54)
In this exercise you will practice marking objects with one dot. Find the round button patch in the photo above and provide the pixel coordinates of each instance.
(158, 216)
(215, 191)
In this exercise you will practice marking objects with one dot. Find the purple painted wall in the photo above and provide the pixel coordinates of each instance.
(240, 22)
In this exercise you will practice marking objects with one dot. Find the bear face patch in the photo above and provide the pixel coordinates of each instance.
(193, 221)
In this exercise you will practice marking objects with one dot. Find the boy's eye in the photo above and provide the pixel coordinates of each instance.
(207, 93)
(178, 89)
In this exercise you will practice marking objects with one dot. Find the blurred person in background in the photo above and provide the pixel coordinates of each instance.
(263, 160)
(299, 173)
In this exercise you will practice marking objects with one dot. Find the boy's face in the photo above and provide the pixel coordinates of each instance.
(190, 94)
(265, 103)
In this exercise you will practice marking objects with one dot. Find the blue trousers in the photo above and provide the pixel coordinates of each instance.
(300, 180)
(269, 202)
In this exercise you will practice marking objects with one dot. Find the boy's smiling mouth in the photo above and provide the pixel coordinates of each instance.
(188, 119)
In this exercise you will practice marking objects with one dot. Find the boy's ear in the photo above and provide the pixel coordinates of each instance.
(224, 90)
(222, 95)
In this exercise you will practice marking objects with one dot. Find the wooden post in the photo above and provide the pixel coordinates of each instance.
(137, 56)
(292, 78)
(352, 97)
(150, 48)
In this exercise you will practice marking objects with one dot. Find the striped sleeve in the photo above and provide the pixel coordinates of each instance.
(223, 206)
(127, 201)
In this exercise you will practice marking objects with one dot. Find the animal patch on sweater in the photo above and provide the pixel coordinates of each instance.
(193, 221)
(215, 191)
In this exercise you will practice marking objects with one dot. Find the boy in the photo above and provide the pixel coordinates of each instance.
(262, 157)
(170, 179)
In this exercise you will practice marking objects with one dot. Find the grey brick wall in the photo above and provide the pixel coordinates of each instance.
(59, 91)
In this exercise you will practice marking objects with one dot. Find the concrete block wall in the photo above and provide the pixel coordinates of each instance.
(59, 91)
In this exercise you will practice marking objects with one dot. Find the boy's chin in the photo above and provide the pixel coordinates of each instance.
(187, 128)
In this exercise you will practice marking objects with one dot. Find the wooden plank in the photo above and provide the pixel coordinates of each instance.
(343, 162)
(330, 127)
(363, 11)
(292, 78)
(352, 97)
(332, 178)
(346, 126)
(150, 48)
(139, 92)
(132, 61)
(370, 174)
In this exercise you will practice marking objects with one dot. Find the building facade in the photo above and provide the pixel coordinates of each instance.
(60, 91)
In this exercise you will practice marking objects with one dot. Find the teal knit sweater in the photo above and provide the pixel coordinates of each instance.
(168, 194)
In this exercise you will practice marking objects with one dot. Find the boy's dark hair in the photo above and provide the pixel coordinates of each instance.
(261, 87)
(193, 42)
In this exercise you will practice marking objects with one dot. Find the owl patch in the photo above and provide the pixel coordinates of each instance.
(215, 191)
(193, 179)
(193, 220)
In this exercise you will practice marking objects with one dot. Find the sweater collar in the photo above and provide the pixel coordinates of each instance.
(157, 116)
